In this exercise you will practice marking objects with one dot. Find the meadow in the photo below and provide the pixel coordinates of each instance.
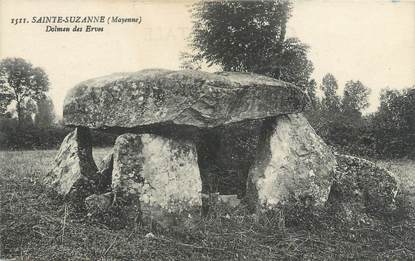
(38, 225)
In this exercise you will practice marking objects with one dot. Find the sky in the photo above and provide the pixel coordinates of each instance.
(368, 40)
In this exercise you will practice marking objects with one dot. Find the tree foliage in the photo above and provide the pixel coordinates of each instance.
(45, 115)
(6, 96)
(355, 97)
(387, 133)
(291, 64)
(330, 101)
(23, 84)
(394, 123)
(354, 101)
(397, 109)
(311, 90)
(249, 36)
(189, 62)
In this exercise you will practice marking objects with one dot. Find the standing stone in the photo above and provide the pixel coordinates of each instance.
(361, 188)
(75, 172)
(156, 176)
(292, 163)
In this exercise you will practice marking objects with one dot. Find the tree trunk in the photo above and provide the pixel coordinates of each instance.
(19, 113)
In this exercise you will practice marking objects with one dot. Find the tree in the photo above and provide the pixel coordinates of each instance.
(23, 84)
(355, 99)
(188, 62)
(313, 111)
(291, 64)
(249, 36)
(397, 109)
(394, 123)
(355, 96)
(311, 89)
(45, 115)
(330, 101)
(5, 97)
(329, 114)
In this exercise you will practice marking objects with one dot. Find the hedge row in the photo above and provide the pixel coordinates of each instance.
(50, 138)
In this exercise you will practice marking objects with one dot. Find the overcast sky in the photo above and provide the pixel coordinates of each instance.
(371, 41)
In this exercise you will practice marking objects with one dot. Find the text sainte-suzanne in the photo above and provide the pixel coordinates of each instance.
(75, 23)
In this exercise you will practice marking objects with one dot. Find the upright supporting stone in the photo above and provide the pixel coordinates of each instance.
(361, 189)
(156, 176)
(293, 163)
(75, 172)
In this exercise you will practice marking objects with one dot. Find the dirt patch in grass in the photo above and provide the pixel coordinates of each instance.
(38, 225)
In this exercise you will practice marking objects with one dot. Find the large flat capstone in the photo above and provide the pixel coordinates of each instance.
(190, 98)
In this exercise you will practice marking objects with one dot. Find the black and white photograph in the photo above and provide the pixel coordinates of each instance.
(207, 130)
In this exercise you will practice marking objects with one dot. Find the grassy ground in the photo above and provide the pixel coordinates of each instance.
(405, 172)
(35, 224)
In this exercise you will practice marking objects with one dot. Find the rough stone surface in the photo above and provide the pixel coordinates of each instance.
(74, 169)
(360, 188)
(156, 174)
(293, 163)
(188, 98)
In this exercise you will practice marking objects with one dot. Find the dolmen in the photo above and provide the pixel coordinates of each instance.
(178, 129)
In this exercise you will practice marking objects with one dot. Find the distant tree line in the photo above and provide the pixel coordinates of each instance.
(31, 136)
(27, 117)
(339, 120)
(247, 36)
(250, 36)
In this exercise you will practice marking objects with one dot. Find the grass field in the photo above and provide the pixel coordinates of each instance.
(35, 224)
(404, 171)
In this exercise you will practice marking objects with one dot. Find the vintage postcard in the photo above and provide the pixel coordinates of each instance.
(207, 130)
